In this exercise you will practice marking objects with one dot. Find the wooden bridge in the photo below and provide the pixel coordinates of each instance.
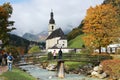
(83, 58)
(70, 57)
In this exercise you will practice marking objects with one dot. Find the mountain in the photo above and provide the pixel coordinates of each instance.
(30, 37)
(42, 36)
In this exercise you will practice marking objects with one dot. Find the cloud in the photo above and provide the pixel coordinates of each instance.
(33, 15)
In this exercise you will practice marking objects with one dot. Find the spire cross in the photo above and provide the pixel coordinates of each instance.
(51, 10)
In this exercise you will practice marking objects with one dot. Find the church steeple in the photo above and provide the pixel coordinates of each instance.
(52, 21)
(51, 27)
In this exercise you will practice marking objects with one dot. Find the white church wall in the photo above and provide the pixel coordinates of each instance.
(62, 43)
(64, 50)
(51, 42)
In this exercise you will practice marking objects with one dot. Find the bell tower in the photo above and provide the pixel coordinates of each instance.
(51, 27)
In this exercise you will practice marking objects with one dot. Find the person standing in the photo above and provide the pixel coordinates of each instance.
(0, 59)
(5, 57)
(60, 54)
(54, 54)
(9, 61)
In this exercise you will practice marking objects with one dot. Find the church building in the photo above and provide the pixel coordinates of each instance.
(56, 37)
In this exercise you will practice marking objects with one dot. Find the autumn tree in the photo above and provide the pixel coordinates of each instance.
(101, 23)
(115, 3)
(5, 24)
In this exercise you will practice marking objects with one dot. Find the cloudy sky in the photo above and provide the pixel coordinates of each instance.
(33, 15)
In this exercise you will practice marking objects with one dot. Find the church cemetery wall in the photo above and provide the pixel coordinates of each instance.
(64, 50)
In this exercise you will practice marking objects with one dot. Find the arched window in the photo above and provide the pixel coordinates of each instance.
(52, 27)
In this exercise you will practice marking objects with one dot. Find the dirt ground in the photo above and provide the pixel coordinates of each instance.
(3, 69)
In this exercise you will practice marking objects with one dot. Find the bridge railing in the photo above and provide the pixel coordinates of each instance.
(86, 57)
(71, 57)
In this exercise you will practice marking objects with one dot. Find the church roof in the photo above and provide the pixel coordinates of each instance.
(51, 21)
(57, 33)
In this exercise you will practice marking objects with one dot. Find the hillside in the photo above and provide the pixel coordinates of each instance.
(75, 31)
(76, 42)
(18, 41)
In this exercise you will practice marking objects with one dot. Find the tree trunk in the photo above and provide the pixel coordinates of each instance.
(99, 49)
(106, 50)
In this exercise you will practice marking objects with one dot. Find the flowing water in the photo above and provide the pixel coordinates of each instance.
(42, 74)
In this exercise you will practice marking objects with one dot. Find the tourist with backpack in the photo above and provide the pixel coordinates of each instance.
(9, 61)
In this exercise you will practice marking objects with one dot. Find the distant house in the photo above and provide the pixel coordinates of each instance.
(111, 48)
(56, 38)
(0, 42)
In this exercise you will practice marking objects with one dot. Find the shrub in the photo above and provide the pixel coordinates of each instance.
(34, 49)
(13, 50)
(50, 56)
(112, 68)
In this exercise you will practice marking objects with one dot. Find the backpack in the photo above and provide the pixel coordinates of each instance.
(10, 58)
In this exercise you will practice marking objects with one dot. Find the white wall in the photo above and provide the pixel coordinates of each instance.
(62, 43)
(51, 42)
(0, 41)
(50, 30)
(111, 47)
(63, 50)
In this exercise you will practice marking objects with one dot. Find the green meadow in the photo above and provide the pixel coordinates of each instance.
(76, 42)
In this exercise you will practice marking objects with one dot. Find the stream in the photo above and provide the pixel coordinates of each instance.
(43, 74)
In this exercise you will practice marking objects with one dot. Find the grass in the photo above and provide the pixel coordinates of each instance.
(73, 65)
(16, 74)
(76, 42)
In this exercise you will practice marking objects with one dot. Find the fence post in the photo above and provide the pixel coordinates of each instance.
(60, 69)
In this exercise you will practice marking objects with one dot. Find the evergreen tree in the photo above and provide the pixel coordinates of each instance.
(5, 24)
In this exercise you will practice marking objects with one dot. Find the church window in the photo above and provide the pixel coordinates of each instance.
(52, 27)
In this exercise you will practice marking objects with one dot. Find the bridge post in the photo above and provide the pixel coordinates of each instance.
(60, 69)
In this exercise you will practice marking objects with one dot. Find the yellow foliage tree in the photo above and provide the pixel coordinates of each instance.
(100, 26)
